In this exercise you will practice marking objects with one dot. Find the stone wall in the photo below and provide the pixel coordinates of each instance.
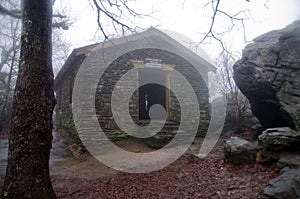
(63, 92)
(126, 62)
(112, 75)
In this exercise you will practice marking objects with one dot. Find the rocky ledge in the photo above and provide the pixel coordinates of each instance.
(281, 145)
(268, 74)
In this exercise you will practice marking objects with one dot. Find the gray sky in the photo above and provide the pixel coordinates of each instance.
(190, 18)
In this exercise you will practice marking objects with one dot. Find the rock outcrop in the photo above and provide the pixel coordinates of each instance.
(268, 74)
(280, 139)
(289, 159)
(284, 186)
(281, 145)
(239, 151)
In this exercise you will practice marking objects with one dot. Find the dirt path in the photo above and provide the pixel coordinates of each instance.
(85, 166)
(83, 177)
(188, 177)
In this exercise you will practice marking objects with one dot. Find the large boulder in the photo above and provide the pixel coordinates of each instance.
(284, 143)
(268, 74)
(280, 139)
(284, 186)
(239, 151)
(289, 159)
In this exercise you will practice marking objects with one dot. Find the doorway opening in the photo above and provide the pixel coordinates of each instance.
(152, 90)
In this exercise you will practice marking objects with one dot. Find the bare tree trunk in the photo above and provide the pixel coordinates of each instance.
(8, 89)
(27, 174)
(233, 92)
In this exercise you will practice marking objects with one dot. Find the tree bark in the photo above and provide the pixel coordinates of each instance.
(27, 174)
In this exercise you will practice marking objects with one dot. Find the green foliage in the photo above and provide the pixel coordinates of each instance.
(117, 135)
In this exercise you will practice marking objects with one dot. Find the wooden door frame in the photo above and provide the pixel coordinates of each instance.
(167, 91)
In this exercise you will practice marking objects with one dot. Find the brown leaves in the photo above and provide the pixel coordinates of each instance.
(188, 177)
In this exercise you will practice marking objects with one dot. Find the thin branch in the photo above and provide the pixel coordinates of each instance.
(266, 4)
(63, 25)
(113, 17)
(99, 21)
(212, 20)
(233, 18)
(132, 12)
(12, 13)
(117, 11)
(59, 16)
(18, 15)
(5, 55)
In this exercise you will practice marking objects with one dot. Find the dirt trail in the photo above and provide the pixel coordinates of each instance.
(188, 177)
(84, 177)
(67, 170)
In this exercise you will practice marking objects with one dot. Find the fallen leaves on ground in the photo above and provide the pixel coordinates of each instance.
(188, 177)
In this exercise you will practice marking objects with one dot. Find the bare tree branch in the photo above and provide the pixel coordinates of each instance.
(59, 16)
(12, 13)
(215, 11)
(63, 25)
(266, 4)
(120, 15)
(101, 9)
(5, 54)
(18, 15)
(234, 18)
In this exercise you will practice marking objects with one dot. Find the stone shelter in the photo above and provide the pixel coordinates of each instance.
(156, 55)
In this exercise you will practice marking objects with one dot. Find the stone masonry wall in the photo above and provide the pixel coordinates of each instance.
(113, 74)
(63, 91)
(124, 63)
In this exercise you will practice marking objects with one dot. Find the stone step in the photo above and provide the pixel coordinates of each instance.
(163, 137)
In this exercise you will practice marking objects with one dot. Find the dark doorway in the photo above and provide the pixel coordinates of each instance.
(151, 93)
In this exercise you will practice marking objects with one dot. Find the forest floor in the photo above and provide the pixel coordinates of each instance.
(83, 177)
